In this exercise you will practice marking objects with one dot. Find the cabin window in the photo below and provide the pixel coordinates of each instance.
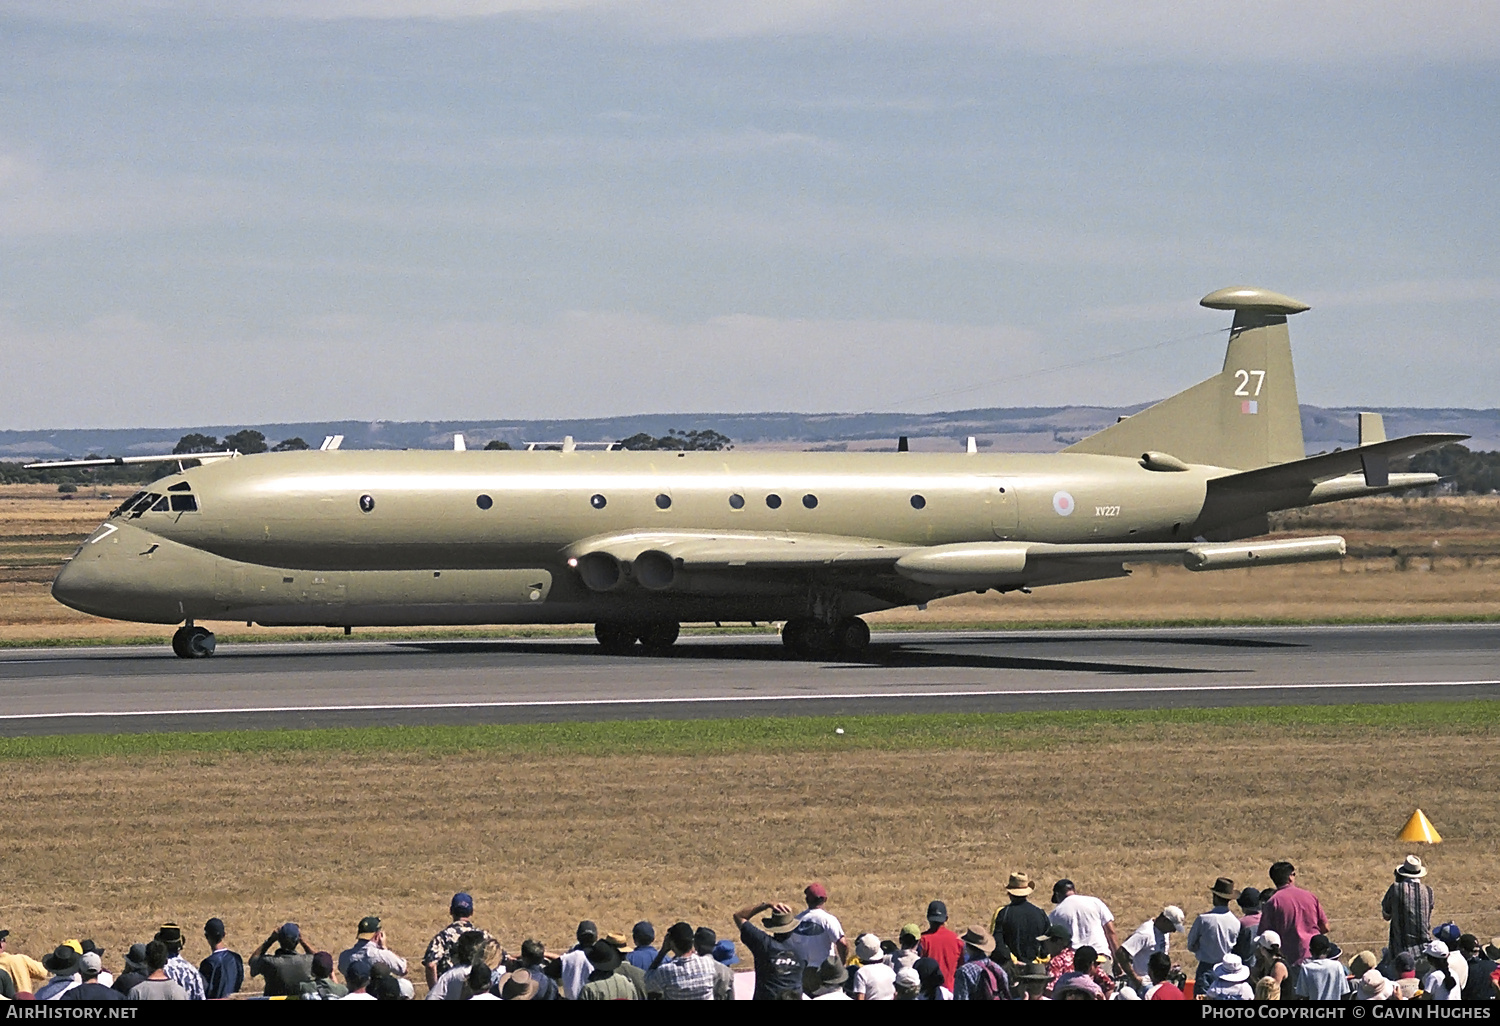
(918, 502)
(367, 503)
(598, 501)
(736, 501)
(484, 502)
(773, 500)
(810, 501)
(663, 501)
(184, 504)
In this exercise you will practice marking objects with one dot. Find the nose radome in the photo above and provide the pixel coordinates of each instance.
(125, 573)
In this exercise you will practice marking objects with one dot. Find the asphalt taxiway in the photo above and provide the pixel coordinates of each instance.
(374, 683)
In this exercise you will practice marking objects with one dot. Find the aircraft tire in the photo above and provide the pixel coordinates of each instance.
(615, 638)
(794, 635)
(658, 637)
(193, 643)
(852, 636)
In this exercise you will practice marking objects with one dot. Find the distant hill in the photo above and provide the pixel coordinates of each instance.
(1023, 429)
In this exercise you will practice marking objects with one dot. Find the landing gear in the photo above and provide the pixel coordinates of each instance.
(656, 636)
(813, 638)
(615, 638)
(193, 642)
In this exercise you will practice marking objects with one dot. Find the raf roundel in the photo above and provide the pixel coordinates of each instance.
(1063, 504)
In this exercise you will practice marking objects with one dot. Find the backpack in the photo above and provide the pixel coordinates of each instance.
(989, 986)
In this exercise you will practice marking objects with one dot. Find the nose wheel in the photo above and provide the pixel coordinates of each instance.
(193, 642)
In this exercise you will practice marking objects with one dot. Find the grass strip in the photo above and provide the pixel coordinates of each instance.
(936, 732)
(499, 633)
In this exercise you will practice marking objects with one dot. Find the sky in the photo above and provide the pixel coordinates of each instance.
(216, 212)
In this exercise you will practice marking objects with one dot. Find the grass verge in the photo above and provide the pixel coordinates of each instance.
(994, 732)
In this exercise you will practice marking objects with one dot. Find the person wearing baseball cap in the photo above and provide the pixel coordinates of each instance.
(438, 959)
(223, 971)
(370, 948)
(941, 944)
(1133, 956)
(819, 934)
(1019, 923)
(286, 971)
(778, 965)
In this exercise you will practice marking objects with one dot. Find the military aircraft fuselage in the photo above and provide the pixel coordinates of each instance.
(417, 536)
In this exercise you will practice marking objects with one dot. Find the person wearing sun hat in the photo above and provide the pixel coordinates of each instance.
(63, 965)
(1407, 906)
(980, 978)
(1228, 981)
(1214, 932)
(1322, 977)
(874, 980)
(1019, 923)
(778, 965)
(1371, 986)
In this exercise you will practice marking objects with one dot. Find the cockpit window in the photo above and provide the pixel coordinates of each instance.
(128, 503)
(160, 505)
(184, 504)
(180, 486)
(146, 502)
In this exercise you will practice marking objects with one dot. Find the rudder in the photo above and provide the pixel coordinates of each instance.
(1244, 417)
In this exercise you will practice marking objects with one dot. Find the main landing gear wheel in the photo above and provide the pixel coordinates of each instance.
(658, 637)
(814, 639)
(193, 642)
(615, 638)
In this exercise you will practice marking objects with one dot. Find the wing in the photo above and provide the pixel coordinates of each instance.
(687, 560)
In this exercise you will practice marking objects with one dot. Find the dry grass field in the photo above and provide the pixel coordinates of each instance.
(110, 846)
(1409, 559)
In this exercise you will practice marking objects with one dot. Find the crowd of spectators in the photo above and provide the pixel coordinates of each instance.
(1275, 947)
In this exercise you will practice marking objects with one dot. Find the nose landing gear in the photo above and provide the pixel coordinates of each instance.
(192, 642)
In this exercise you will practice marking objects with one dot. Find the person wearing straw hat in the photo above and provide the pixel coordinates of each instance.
(1020, 923)
(1372, 986)
(778, 966)
(1228, 980)
(1214, 932)
(1407, 906)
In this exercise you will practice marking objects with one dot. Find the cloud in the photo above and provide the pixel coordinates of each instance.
(1206, 31)
(37, 199)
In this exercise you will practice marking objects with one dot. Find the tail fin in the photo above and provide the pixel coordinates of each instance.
(1244, 417)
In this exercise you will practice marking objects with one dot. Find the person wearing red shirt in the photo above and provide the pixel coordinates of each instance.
(1162, 988)
(1293, 913)
(941, 944)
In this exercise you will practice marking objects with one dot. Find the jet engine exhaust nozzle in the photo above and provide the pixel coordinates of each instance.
(654, 570)
(600, 571)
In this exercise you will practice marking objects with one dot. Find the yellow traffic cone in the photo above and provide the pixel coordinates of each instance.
(1419, 829)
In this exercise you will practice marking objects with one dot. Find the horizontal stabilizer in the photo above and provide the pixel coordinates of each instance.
(1309, 472)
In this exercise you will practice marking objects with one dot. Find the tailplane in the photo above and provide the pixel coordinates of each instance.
(1244, 417)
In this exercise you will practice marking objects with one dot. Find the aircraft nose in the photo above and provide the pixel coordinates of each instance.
(113, 574)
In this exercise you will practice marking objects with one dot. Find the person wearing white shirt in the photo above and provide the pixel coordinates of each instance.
(1090, 920)
(819, 933)
(874, 980)
(1133, 956)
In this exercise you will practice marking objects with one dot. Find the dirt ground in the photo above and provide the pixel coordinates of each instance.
(108, 848)
(1409, 558)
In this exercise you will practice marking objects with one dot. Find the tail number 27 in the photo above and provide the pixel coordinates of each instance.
(1244, 377)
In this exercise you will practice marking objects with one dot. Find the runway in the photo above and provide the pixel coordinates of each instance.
(388, 683)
